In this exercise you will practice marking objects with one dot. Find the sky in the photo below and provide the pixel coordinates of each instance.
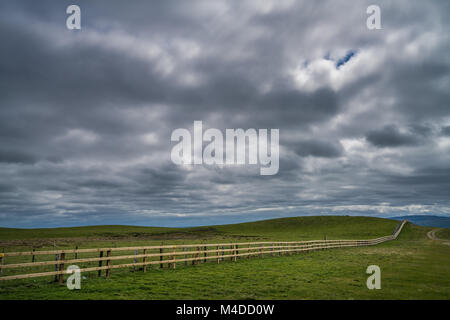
(86, 115)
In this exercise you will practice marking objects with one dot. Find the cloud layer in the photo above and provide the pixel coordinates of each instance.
(86, 116)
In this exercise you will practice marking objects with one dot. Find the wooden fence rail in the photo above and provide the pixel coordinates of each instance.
(174, 254)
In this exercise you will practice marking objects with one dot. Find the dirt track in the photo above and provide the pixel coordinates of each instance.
(432, 236)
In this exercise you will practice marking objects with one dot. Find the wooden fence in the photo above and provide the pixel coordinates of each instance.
(169, 254)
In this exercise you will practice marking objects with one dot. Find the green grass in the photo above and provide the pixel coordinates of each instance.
(91, 231)
(412, 267)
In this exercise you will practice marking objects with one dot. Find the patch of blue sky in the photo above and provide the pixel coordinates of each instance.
(345, 59)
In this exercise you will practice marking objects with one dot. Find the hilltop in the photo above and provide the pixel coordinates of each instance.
(311, 227)
(427, 220)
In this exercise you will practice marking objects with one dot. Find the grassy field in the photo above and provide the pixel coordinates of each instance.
(288, 228)
(443, 234)
(413, 267)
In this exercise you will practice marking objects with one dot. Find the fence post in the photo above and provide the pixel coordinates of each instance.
(223, 253)
(174, 265)
(160, 255)
(135, 260)
(61, 268)
(236, 252)
(56, 259)
(100, 262)
(193, 256)
(108, 264)
(218, 255)
(56, 267)
(144, 260)
(271, 249)
(32, 258)
(185, 256)
(76, 253)
(204, 254)
(1, 261)
(169, 264)
(197, 255)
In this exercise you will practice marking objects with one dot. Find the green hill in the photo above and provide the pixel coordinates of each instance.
(316, 227)
(427, 220)
(298, 228)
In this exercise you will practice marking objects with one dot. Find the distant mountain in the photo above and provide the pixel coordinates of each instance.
(427, 221)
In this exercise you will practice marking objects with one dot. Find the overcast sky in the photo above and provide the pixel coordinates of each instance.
(86, 116)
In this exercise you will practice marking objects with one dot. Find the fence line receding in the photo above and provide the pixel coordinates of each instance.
(167, 254)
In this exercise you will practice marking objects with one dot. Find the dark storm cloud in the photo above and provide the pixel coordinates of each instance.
(390, 136)
(445, 131)
(11, 156)
(6, 188)
(86, 116)
(317, 148)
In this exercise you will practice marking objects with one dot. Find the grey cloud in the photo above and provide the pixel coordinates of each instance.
(86, 117)
(445, 131)
(317, 148)
(390, 136)
(11, 156)
(7, 188)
